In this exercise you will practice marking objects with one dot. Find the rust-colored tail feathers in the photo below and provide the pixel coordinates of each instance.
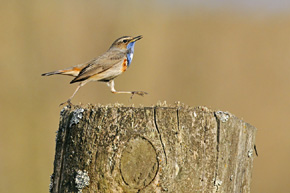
(74, 71)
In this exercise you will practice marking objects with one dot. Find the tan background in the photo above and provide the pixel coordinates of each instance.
(226, 58)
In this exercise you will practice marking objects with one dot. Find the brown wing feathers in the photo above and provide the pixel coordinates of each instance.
(100, 65)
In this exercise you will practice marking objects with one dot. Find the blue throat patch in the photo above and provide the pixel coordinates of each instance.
(130, 48)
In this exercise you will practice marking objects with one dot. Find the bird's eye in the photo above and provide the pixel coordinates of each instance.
(125, 41)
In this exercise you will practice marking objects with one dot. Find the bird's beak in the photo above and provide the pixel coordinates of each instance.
(136, 38)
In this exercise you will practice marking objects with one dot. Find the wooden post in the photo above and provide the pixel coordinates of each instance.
(152, 149)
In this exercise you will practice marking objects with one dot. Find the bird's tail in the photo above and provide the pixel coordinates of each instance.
(52, 73)
(72, 71)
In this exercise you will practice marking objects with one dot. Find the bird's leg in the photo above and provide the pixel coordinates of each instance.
(111, 84)
(70, 98)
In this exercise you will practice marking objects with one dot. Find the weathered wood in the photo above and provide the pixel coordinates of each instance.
(152, 149)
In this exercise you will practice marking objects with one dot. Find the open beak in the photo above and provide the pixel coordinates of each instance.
(136, 38)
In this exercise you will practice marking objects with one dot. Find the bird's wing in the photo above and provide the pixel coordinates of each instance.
(100, 64)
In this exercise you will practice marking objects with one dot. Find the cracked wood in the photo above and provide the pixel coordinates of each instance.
(152, 149)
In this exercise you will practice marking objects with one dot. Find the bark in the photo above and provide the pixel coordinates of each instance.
(152, 149)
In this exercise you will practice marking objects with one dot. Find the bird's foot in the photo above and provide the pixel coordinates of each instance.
(69, 104)
(140, 93)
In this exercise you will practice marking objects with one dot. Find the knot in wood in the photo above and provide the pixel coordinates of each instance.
(139, 164)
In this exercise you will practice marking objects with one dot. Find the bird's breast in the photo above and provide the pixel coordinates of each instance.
(130, 52)
(124, 65)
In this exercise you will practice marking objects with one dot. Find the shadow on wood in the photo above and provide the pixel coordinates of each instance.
(152, 149)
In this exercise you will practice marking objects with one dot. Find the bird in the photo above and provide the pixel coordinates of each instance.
(104, 68)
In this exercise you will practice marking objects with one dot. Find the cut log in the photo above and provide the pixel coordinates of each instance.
(152, 149)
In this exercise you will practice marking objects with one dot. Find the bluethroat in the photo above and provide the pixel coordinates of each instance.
(105, 67)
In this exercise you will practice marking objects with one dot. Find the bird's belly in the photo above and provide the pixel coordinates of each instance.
(112, 72)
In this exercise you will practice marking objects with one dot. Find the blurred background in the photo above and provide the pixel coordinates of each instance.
(227, 55)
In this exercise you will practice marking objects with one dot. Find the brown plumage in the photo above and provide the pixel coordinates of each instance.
(105, 67)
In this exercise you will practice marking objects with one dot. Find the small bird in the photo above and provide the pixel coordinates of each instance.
(105, 67)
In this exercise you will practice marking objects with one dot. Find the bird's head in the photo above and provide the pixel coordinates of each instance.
(124, 41)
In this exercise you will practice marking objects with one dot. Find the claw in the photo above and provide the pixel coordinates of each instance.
(69, 104)
(140, 93)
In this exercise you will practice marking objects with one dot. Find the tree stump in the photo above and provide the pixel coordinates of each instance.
(152, 149)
